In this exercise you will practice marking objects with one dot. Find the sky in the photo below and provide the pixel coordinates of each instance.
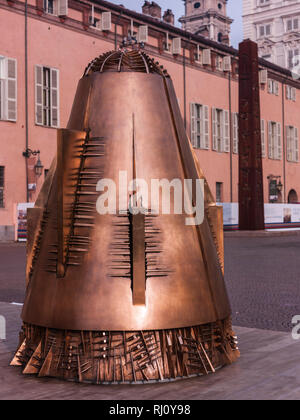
(234, 11)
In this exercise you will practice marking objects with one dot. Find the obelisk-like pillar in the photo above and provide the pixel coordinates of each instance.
(251, 196)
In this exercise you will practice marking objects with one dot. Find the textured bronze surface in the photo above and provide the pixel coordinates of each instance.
(125, 276)
(104, 357)
(251, 196)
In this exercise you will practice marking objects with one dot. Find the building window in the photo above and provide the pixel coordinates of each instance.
(221, 131)
(219, 63)
(263, 2)
(263, 139)
(274, 140)
(292, 24)
(198, 55)
(264, 30)
(219, 192)
(8, 89)
(56, 7)
(1, 187)
(291, 93)
(46, 96)
(235, 132)
(49, 6)
(292, 144)
(200, 126)
(293, 58)
(273, 87)
(95, 23)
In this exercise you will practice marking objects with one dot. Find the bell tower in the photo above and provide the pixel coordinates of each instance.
(207, 18)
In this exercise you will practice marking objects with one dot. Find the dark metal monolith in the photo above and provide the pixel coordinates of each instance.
(251, 196)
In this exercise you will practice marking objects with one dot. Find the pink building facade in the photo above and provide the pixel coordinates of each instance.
(43, 53)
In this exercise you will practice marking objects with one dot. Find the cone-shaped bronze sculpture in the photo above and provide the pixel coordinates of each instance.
(123, 297)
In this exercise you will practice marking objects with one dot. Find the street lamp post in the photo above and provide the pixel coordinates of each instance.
(38, 168)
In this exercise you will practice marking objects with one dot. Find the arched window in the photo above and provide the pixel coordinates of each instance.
(293, 197)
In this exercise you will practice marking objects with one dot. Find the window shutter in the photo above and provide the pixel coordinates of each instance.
(193, 125)
(278, 143)
(287, 92)
(214, 128)
(206, 57)
(92, 17)
(263, 139)
(276, 88)
(227, 63)
(263, 77)
(219, 63)
(11, 89)
(106, 21)
(205, 126)
(199, 54)
(176, 46)
(54, 97)
(296, 145)
(39, 95)
(270, 83)
(270, 141)
(235, 132)
(288, 144)
(62, 7)
(294, 94)
(226, 132)
(143, 34)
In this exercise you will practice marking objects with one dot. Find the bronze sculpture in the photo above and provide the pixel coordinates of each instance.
(126, 297)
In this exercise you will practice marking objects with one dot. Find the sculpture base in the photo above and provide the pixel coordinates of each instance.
(126, 357)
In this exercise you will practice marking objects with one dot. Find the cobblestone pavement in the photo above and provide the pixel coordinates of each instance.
(263, 280)
(262, 276)
(12, 269)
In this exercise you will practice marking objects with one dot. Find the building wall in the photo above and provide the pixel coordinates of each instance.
(279, 40)
(69, 46)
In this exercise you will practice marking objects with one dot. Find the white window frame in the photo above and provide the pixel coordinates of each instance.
(264, 26)
(220, 130)
(235, 132)
(55, 7)
(9, 83)
(292, 144)
(274, 140)
(52, 91)
(295, 52)
(199, 55)
(293, 26)
(263, 138)
(219, 63)
(273, 87)
(200, 126)
(291, 93)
